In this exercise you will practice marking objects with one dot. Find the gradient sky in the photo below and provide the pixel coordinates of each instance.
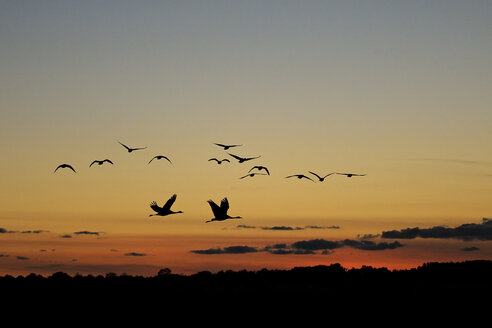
(397, 91)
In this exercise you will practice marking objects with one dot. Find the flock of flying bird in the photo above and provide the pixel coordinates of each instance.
(220, 212)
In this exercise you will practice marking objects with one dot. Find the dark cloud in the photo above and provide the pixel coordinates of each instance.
(66, 236)
(85, 232)
(283, 249)
(321, 227)
(135, 254)
(286, 228)
(312, 246)
(367, 245)
(23, 258)
(316, 244)
(466, 232)
(368, 236)
(244, 226)
(3, 230)
(42, 250)
(227, 250)
(470, 249)
(327, 247)
(4, 255)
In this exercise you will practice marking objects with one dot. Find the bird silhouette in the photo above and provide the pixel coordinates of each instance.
(226, 146)
(300, 176)
(259, 167)
(159, 157)
(243, 159)
(219, 161)
(62, 166)
(321, 178)
(101, 162)
(220, 212)
(252, 175)
(131, 149)
(166, 209)
(349, 175)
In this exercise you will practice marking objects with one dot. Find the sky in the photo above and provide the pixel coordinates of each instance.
(398, 91)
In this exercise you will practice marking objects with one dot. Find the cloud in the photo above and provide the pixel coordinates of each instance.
(283, 249)
(227, 250)
(286, 228)
(368, 236)
(23, 258)
(85, 232)
(466, 232)
(244, 226)
(135, 254)
(4, 255)
(66, 236)
(305, 247)
(367, 245)
(470, 249)
(322, 227)
(327, 247)
(316, 244)
(3, 230)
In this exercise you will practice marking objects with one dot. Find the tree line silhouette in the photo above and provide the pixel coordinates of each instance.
(439, 280)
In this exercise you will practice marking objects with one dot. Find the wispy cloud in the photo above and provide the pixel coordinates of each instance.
(313, 246)
(34, 231)
(135, 254)
(23, 258)
(470, 249)
(227, 250)
(286, 228)
(466, 232)
(38, 231)
(85, 232)
(368, 236)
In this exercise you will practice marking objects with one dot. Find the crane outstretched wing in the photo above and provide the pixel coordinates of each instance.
(315, 175)
(124, 145)
(170, 202)
(215, 208)
(224, 205)
(236, 157)
(107, 160)
(155, 207)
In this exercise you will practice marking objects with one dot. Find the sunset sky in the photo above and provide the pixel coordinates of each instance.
(399, 91)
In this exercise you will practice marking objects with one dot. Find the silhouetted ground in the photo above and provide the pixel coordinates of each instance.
(429, 288)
